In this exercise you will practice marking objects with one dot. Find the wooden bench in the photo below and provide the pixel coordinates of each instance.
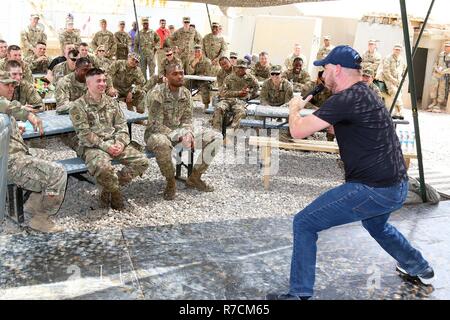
(74, 167)
(267, 143)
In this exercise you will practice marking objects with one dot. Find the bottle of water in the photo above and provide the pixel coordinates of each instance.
(412, 142)
(401, 139)
(406, 141)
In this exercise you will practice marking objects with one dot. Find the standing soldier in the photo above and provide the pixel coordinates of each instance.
(163, 34)
(184, 39)
(69, 35)
(441, 81)
(393, 68)
(39, 61)
(325, 50)
(106, 38)
(201, 66)
(123, 40)
(299, 78)
(102, 133)
(261, 70)
(128, 80)
(31, 36)
(371, 58)
(170, 125)
(214, 47)
(239, 87)
(147, 42)
(296, 54)
(170, 58)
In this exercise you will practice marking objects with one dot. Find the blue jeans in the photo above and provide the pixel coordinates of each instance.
(348, 203)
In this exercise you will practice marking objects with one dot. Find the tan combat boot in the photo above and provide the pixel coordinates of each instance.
(432, 104)
(124, 178)
(117, 202)
(104, 199)
(195, 181)
(171, 189)
(42, 223)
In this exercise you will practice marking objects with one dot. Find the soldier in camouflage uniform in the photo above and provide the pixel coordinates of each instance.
(123, 40)
(439, 92)
(3, 49)
(299, 78)
(261, 70)
(371, 58)
(170, 58)
(102, 132)
(276, 91)
(100, 59)
(14, 53)
(170, 125)
(184, 39)
(66, 67)
(225, 70)
(296, 54)
(38, 62)
(46, 180)
(238, 88)
(31, 36)
(24, 92)
(319, 99)
(367, 77)
(69, 35)
(214, 47)
(325, 49)
(148, 43)
(128, 80)
(233, 58)
(72, 86)
(393, 68)
(201, 66)
(106, 38)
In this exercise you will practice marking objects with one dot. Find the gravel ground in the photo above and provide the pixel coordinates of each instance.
(239, 191)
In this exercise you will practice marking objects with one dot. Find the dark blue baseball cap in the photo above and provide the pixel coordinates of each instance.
(345, 56)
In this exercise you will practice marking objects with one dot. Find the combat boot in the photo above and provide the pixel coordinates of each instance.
(433, 103)
(195, 181)
(41, 222)
(104, 199)
(171, 189)
(124, 178)
(117, 202)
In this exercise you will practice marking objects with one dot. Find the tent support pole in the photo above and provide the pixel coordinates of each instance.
(137, 26)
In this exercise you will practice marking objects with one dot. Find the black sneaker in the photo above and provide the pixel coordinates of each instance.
(425, 277)
(398, 117)
(284, 296)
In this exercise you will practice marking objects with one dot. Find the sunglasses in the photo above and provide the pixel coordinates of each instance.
(233, 58)
(274, 74)
(100, 50)
(169, 54)
(73, 59)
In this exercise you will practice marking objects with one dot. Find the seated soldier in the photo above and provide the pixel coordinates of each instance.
(39, 61)
(66, 67)
(170, 124)
(24, 92)
(3, 49)
(68, 46)
(298, 77)
(318, 100)
(226, 68)
(233, 58)
(128, 80)
(169, 58)
(367, 77)
(238, 88)
(101, 60)
(72, 86)
(102, 133)
(261, 70)
(276, 91)
(45, 179)
(15, 53)
(200, 65)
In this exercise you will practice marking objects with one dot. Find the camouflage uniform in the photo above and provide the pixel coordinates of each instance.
(169, 119)
(371, 61)
(27, 75)
(60, 70)
(29, 38)
(260, 72)
(67, 91)
(69, 37)
(123, 40)
(272, 96)
(26, 170)
(165, 62)
(185, 40)
(98, 127)
(230, 100)
(107, 39)
(202, 68)
(221, 75)
(393, 69)
(319, 99)
(37, 66)
(290, 61)
(123, 78)
(301, 81)
(214, 47)
(26, 93)
(439, 91)
(324, 51)
(149, 43)
(103, 63)
(376, 89)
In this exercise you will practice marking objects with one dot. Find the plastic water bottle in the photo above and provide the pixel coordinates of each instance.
(401, 139)
(412, 142)
(406, 141)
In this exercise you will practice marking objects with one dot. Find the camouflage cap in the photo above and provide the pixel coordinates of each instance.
(171, 26)
(121, 22)
(5, 78)
(372, 41)
(186, 19)
(144, 20)
(215, 24)
(368, 72)
(102, 20)
(275, 69)
(34, 15)
(135, 56)
(197, 47)
(100, 47)
(241, 63)
(447, 44)
(326, 38)
(233, 55)
(398, 46)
